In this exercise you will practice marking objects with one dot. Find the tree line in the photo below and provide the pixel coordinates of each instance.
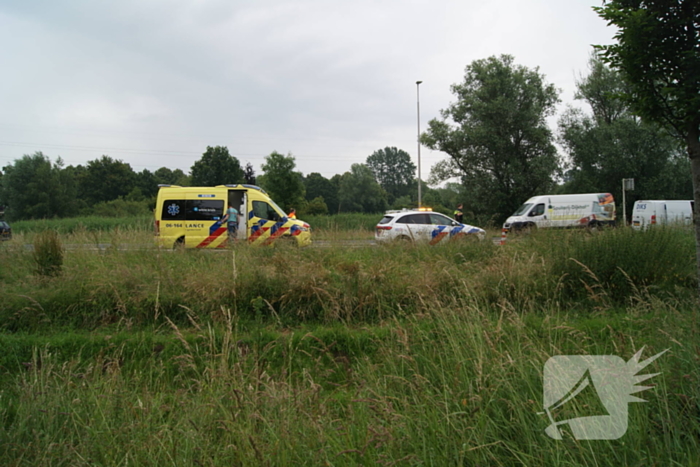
(498, 146)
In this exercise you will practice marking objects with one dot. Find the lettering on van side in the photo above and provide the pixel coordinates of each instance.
(195, 226)
(574, 207)
(173, 226)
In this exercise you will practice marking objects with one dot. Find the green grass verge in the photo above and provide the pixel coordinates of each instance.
(393, 355)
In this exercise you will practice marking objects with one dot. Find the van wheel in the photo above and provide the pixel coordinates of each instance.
(529, 229)
(404, 240)
(179, 244)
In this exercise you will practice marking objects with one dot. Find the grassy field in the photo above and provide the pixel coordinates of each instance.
(340, 355)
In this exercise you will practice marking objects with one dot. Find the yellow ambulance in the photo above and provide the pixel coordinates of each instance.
(193, 217)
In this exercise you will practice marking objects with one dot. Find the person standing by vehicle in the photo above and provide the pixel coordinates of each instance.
(231, 219)
(292, 213)
(459, 215)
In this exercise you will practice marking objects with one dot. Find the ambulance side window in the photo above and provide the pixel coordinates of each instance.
(205, 209)
(173, 210)
(264, 211)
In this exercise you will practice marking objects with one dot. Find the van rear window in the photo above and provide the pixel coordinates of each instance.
(193, 209)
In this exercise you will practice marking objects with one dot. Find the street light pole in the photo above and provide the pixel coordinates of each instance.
(420, 201)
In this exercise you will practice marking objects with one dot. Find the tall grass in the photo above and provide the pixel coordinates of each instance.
(84, 224)
(392, 355)
(142, 284)
(452, 386)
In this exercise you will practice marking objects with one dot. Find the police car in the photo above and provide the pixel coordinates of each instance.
(423, 226)
(5, 231)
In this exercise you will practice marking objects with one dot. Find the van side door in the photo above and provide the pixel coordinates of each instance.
(537, 214)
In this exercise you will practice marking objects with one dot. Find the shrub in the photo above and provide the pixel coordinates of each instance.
(121, 208)
(48, 253)
(316, 207)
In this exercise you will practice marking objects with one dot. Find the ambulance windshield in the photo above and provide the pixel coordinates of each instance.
(279, 210)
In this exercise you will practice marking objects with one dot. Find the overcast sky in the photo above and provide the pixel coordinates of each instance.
(154, 82)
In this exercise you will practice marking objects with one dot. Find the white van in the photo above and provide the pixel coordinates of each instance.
(582, 210)
(662, 212)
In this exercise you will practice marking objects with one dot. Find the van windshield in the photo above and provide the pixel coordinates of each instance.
(522, 209)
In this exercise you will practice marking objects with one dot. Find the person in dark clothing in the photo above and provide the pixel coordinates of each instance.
(459, 215)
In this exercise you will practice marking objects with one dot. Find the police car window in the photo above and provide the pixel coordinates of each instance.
(204, 209)
(264, 211)
(414, 219)
(437, 219)
(386, 219)
(173, 210)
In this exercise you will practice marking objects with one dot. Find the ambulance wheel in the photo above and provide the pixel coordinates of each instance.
(287, 241)
(179, 244)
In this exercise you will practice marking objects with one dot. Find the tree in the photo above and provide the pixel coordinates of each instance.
(165, 176)
(316, 207)
(34, 188)
(279, 179)
(499, 144)
(394, 171)
(612, 144)
(216, 167)
(249, 174)
(146, 183)
(360, 192)
(105, 179)
(319, 186)
(658, 53)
